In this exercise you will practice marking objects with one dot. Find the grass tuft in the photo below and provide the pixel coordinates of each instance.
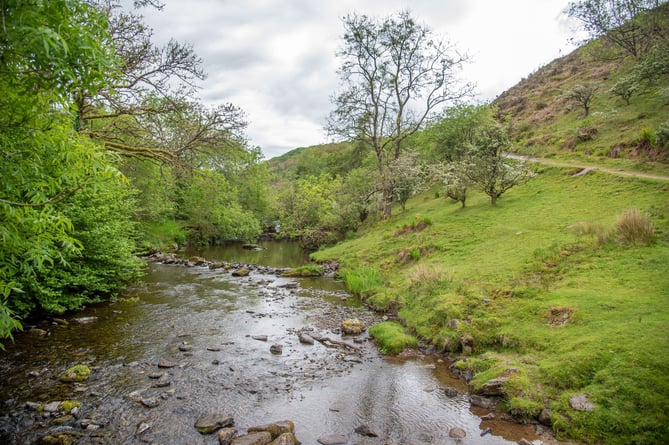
(391, 337)
(635, 227)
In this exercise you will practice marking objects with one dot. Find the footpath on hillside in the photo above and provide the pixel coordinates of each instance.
(585, 168)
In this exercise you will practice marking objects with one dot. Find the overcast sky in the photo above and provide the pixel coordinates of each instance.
(276, 60)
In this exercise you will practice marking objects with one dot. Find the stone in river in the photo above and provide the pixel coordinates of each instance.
(260, 438)
(259, 337)
(286, 439)
(225, 435)
(333, 439)
(209, 423)
(457, 433)
(166, 364)
(306, 339)
(276, 349)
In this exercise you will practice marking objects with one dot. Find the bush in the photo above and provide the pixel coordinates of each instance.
(662, 135)
(391, 337)
(635, 227)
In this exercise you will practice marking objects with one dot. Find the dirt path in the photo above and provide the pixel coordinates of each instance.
(587, 168)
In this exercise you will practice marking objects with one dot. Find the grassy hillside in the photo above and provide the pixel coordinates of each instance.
(542, 123)
(540, 285)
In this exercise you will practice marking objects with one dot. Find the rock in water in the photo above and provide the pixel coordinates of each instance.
(209, 423)
(276, 429)
(457, 433)
(276, 349)
(333, 439)
(306, 339)
(225, 435)
(77, 373)
(286, 439)
(352, 326)
(260, 438)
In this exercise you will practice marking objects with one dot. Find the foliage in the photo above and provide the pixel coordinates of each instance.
(445, 136)
(632, 25)
(395, 75)
(582, 94)
(408, 176)
(208, 203)
(486, 166)
(391, 337)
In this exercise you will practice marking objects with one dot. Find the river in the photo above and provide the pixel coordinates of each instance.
(212, 326)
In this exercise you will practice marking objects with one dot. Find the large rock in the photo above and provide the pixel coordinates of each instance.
(241, 272)
(225, 435)
(580, 402)
(275, 429)
(77, 373)
(259, 438)
(333, 439)
(209, 423)
(352, 326)
(483, 402)
(457, 433)
(493, 387)
(286, 439)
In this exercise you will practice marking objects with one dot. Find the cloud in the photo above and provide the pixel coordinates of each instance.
(276, 59)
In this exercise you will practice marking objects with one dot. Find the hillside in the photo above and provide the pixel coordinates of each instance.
(542, 123)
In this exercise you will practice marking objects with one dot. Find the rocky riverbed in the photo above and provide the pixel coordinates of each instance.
(254, 348)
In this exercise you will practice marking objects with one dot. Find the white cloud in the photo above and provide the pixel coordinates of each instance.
(276, 58)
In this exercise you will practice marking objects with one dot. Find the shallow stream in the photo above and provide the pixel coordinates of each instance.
(204, 322)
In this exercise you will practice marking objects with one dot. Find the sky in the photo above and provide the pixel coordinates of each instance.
(275, 59)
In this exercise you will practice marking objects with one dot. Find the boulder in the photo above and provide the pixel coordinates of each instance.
(457, 433)
(241, 272)
(286, 439)
(306, 338)
(225, 435)
(259, 438)
(77, 373)
(483, 402)
(580, 402)
(493, 387)
(209, 423)
(352, 326)
(275, 429)
(333, 439)
(276, 349)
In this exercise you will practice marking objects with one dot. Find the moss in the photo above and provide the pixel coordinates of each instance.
(77, 373)
(67, 406)
(391, 337)
(304, 271)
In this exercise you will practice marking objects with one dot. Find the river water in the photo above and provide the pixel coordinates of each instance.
(210, 325)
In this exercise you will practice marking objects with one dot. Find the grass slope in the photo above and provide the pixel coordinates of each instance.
(552, 311)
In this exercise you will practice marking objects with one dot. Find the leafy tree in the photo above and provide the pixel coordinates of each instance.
(625, 88)
(487, 167)
(582, 94)
(396, 73)
(47, 51)
(453, 129)
(633, 25)
(408, 175)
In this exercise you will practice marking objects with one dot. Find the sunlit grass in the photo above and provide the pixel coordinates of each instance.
(549, 247)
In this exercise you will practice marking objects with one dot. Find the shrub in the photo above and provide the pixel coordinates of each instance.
(662, 135)
(635, 227)
(391, 337)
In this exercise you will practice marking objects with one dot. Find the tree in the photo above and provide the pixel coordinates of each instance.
(583, 94)
(632, 25)
(453, 129)
(137, 111)
(48, 50)
(408, 175)
(625, 88)
(396, 73)
(487, 167)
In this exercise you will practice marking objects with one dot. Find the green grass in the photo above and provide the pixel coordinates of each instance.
(163, 234)
(391, 337)
(505, 275)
